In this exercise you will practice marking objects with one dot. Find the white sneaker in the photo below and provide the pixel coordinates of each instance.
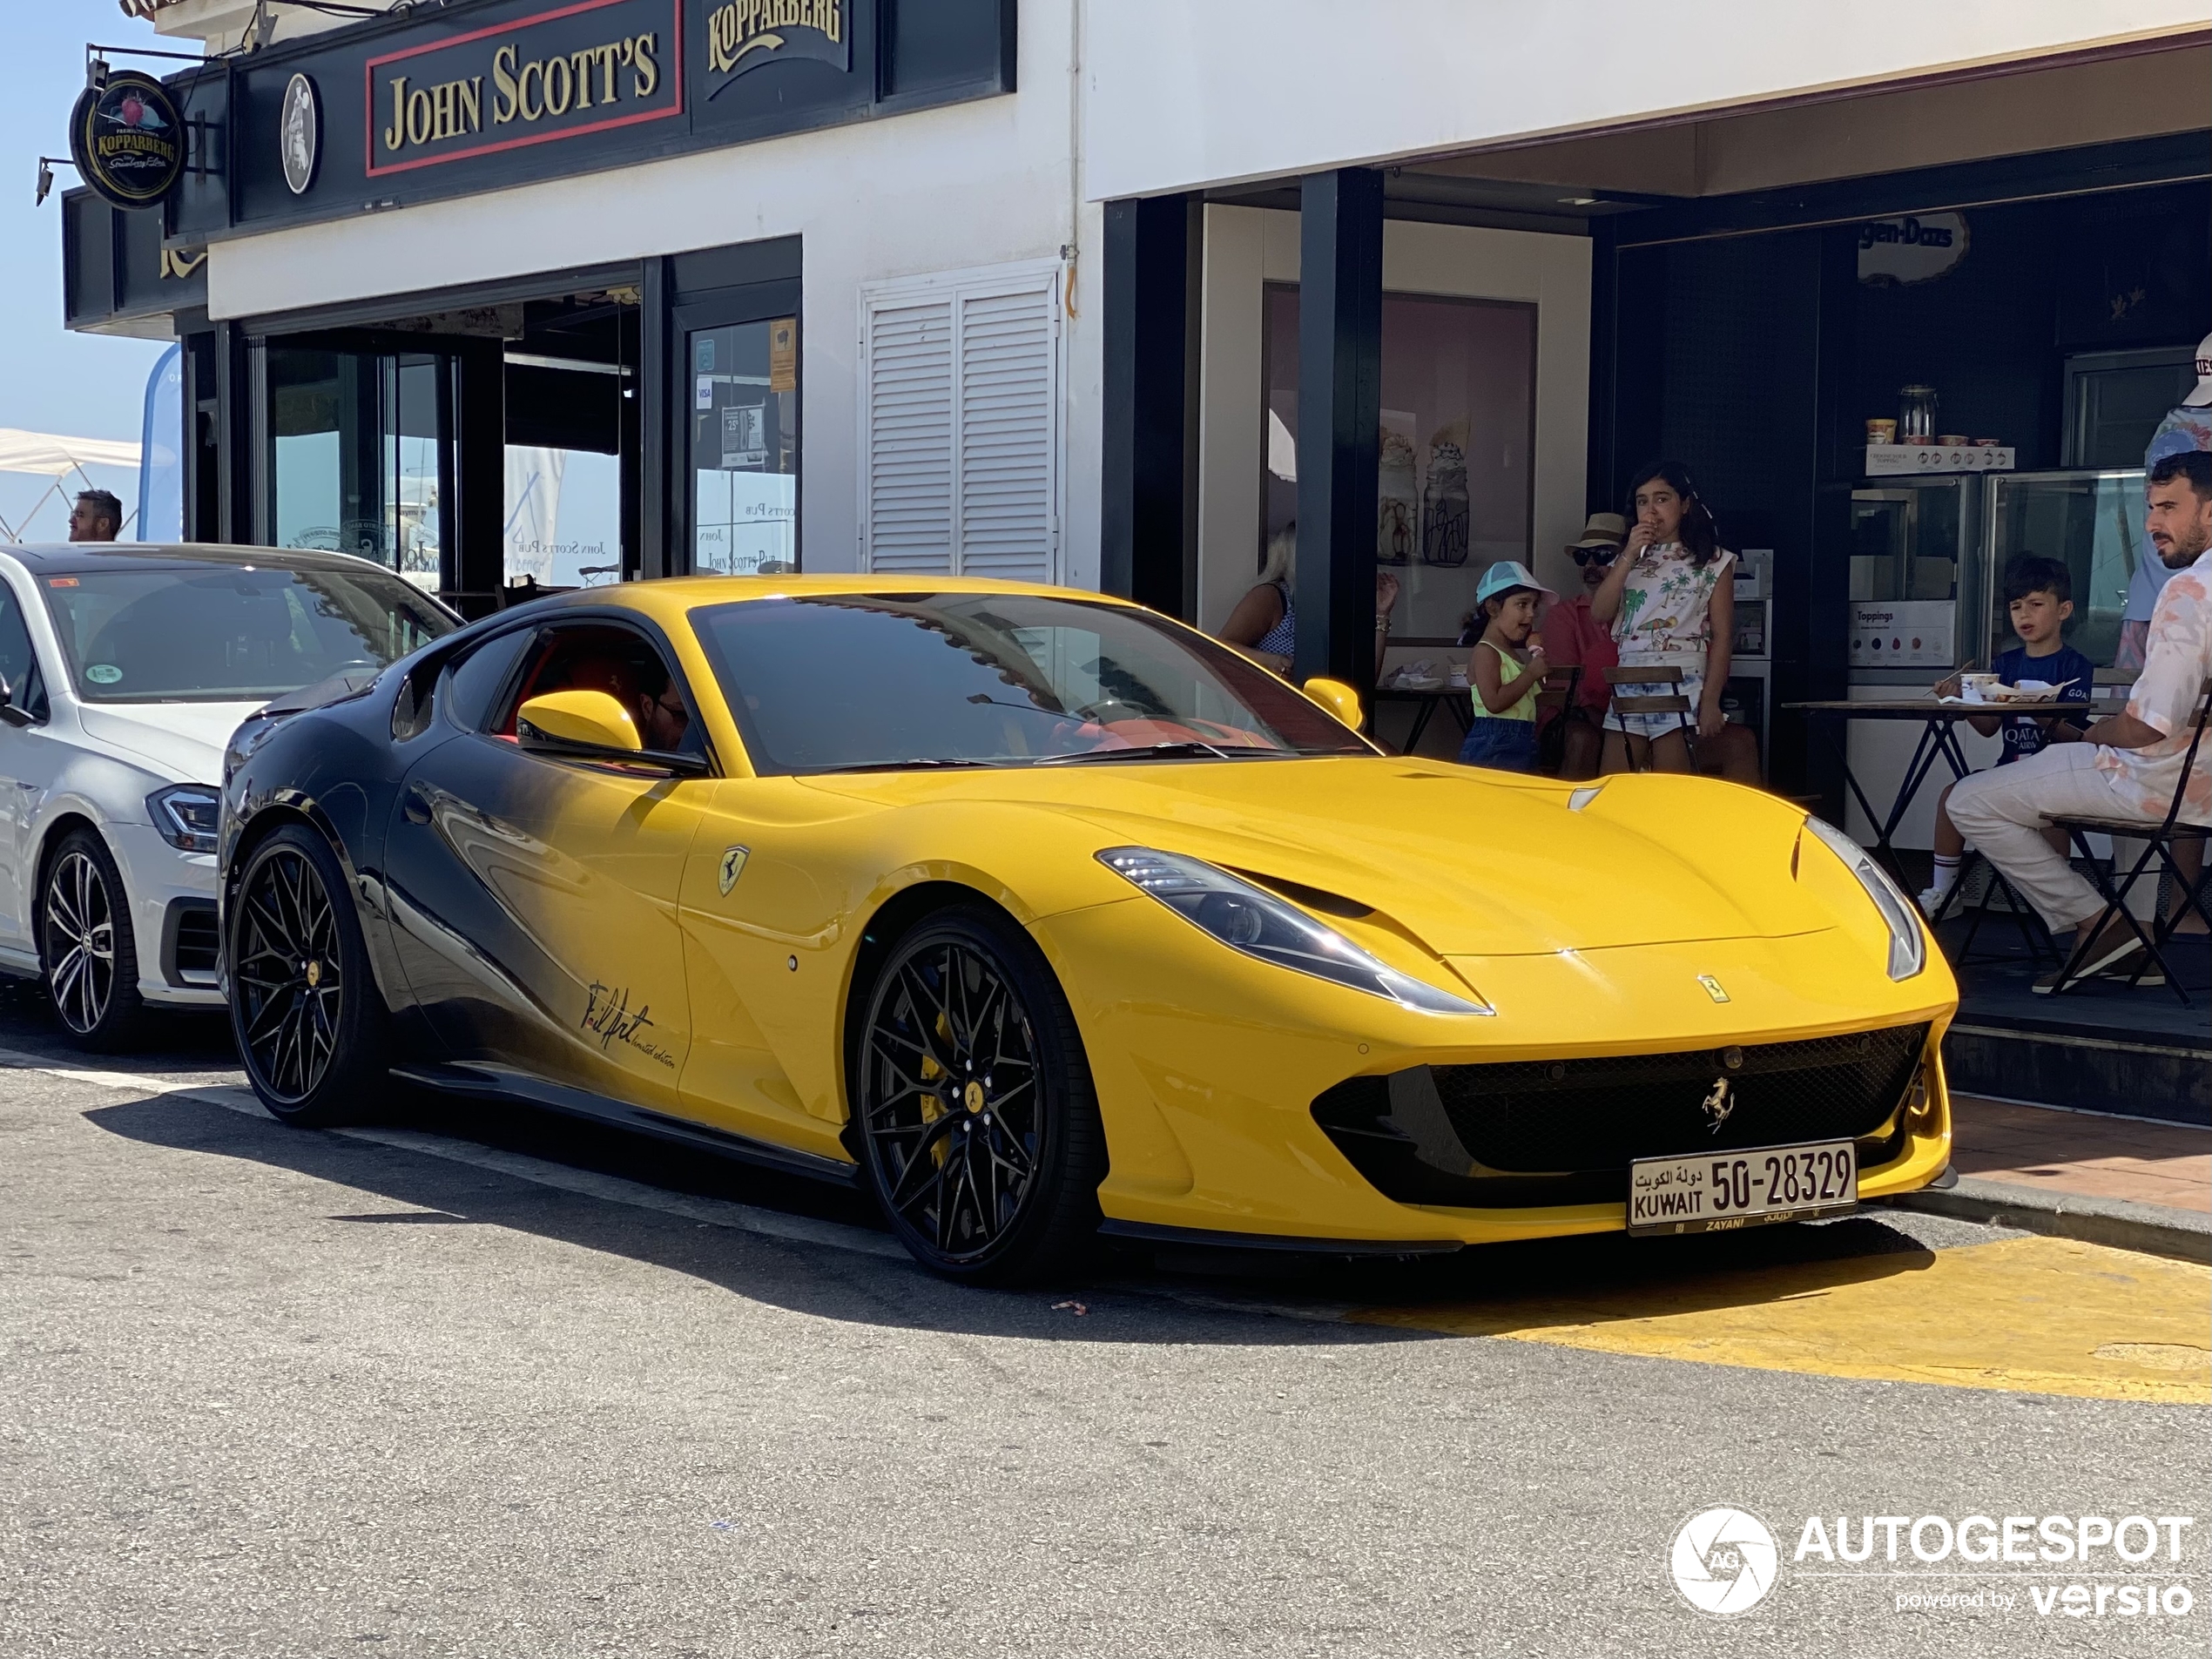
(1931, 898)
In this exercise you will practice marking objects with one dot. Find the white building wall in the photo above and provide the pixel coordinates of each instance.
(1182, 94)
(971, 184)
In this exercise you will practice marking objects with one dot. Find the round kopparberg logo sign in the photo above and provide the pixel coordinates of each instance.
(127, 139)
(300, 134)
(1724, 1561)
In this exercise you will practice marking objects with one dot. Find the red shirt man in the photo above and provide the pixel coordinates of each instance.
(1571, 638)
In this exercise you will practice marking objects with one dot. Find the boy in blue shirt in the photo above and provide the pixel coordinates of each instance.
(2039, 594)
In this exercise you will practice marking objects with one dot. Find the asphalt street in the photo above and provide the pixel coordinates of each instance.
(475, 1381)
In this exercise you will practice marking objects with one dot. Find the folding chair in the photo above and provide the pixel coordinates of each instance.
(1674, 703)
(1556, 698)
(2160, 840)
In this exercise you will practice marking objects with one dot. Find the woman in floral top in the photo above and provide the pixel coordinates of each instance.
(1671, 604)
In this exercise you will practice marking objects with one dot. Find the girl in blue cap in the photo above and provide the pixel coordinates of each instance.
(1506, 670)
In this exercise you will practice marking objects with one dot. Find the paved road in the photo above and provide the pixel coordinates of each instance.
(474, 1382)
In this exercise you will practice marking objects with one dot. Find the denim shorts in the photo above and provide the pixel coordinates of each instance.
(1503, 745)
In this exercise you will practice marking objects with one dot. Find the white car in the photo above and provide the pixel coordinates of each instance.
(126, 667)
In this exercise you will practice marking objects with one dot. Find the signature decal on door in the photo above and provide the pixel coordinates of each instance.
(607, 1016)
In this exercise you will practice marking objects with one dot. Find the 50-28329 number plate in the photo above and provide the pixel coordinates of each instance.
(1709, 1192)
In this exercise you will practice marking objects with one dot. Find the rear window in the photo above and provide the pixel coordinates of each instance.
(240, 633)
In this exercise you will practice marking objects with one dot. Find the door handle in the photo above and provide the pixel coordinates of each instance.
(416, 808)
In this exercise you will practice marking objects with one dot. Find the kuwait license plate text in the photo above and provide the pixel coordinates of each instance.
(1704, 1193)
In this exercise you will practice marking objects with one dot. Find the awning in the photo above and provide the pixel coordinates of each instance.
(54, 457)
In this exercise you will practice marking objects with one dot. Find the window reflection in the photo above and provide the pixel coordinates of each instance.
(744, 447)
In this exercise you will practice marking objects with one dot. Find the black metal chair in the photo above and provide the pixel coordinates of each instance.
(1556, 698)
(1674, 703)
(2160, 840)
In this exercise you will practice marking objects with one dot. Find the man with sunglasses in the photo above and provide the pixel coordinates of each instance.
(1571, 637)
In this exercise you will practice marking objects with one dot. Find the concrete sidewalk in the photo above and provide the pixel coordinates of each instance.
(2092, 1176)
(2085, 1153)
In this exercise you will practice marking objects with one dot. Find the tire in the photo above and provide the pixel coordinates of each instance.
(978, 1125)
(88, 951)
(310, 1023)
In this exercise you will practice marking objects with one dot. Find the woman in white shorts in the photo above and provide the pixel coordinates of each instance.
(1671, 604)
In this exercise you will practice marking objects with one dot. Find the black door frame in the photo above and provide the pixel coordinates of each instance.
(724, 307)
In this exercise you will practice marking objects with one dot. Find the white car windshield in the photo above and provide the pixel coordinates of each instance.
(230, 633)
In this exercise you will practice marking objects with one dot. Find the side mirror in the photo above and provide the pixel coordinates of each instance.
(592, 725)
(10, 713)
(565, 721)
(1340, 699)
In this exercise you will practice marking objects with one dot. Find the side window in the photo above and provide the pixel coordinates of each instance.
(473, 683)
(603, 657)
(18, 662)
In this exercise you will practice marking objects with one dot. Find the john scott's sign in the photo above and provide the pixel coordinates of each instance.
(556, 74)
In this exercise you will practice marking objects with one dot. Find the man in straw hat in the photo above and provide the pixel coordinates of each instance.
(1571, 638)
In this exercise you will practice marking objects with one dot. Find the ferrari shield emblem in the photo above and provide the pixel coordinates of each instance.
(732, 866)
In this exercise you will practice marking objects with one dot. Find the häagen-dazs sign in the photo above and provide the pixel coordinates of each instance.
(1914, 247)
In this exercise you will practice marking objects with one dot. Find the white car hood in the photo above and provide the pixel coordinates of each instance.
(186, 739)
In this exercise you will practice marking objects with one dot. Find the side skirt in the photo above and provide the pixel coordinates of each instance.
(483, 1083)
(1151, 1233)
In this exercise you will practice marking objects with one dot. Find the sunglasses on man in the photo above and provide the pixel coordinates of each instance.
(1592, 555)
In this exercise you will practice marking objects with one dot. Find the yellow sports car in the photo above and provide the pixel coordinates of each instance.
(1038, 912)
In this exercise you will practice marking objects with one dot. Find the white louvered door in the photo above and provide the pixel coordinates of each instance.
(960, 394)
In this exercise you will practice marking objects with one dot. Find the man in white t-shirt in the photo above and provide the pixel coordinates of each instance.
(2126, 766)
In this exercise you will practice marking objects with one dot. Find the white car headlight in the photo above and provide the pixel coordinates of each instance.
(187, 816)
(1908, 947)
(1247, 918)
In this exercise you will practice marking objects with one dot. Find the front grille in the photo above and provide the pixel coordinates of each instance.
(1565, 1130)
(194, 938)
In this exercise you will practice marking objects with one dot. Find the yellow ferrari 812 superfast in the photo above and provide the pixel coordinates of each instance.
(1039, 914)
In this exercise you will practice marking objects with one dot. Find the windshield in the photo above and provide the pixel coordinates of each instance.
(851, 682)
(233, 633)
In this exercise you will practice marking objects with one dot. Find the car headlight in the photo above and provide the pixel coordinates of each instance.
(1257, 923)
(1908, 947)
(187, 816)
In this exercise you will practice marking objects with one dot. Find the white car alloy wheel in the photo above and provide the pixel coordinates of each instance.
(80, 933)
(89, 955)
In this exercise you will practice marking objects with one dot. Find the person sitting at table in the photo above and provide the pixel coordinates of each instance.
(2038, 595)
(1575, 640)
(1670, 601)
(1264, 623)
(2126, 766)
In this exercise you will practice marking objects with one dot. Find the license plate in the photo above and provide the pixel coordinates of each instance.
(1713, 1191)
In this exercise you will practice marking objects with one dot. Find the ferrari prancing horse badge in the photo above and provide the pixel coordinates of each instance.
(732, 866)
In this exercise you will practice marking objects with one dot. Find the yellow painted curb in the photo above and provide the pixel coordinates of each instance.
(2044, 1316)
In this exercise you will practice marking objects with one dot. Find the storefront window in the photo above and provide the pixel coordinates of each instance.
(745, 447)
(1458, 408)
(361, 455)
(563, 516)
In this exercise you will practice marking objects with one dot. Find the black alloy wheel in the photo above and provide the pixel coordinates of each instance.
(87, 947)
(978, 1123)
(305, 1008)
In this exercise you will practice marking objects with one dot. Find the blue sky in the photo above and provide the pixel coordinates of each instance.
(51, 380)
